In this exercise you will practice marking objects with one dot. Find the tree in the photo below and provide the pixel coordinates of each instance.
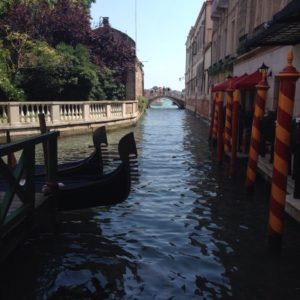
(67, 74)
(46, 58)
(8, 91)
(69, 23)
(54, 21)
(112, 50)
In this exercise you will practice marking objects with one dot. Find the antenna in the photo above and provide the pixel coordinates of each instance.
(135, 24)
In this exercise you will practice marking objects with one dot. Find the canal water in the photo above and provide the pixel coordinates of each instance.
(187, 231)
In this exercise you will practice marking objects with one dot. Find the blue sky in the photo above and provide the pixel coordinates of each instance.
(161, 29)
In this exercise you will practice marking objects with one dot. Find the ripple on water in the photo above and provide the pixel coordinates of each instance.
(182, 233)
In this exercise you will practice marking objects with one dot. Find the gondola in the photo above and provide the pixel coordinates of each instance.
(77, 192)
(80, 192)
(92, 165)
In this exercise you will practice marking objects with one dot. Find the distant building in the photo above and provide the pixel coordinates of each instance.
(135, 82)
(134, 86)
(198, 59)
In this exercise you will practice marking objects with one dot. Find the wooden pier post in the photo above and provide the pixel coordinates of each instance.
(220, 127)
(212, 116)
(288, 78)
(11, 158)
(260, 101)
(234, 132)
(228, 118)
(215, 120)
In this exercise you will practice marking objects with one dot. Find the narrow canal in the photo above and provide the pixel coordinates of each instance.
(187, 231)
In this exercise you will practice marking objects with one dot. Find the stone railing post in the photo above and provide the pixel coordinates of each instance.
(86, 111)
(124, 109)
(55, 112)
(108, 111)
(14, 113)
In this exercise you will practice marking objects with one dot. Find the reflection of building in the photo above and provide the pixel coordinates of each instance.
(134, 85)
(198, 48)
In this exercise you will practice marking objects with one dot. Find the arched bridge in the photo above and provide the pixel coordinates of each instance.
(177, 99)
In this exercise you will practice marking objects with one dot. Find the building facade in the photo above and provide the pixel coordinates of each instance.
(135, 82)
(198, 59)
(244, 34)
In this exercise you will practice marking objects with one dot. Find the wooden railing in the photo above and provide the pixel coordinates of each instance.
(26, 113)
(18, 192)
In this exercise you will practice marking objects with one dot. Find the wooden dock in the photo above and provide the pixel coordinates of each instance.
(22, 207)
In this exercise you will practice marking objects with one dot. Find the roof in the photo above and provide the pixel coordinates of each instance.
(283, 29)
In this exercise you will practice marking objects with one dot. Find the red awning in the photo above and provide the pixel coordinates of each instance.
(223, 86)
(238, 79)
(249, 82)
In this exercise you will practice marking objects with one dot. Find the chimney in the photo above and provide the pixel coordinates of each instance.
(105, 21)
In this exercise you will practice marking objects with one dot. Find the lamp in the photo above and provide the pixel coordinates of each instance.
(263, 69)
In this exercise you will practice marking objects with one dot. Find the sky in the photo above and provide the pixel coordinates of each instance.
(160, 29)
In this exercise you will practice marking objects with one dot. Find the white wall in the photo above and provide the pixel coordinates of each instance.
(276, 60)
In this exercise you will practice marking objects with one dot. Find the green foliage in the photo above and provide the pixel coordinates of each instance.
(35, 65)
(113, 89)
(142, 103)
(5, 5)
(7, 89)
(64, 74)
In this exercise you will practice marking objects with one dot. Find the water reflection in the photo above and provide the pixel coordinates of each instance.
(186, 231)
(163, 103)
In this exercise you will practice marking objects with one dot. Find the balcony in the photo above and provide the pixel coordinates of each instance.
(282, 29)
(217, 6)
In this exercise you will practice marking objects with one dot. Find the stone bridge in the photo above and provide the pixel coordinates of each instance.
(177, 99)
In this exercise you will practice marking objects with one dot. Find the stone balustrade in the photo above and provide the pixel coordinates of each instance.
(17, 116)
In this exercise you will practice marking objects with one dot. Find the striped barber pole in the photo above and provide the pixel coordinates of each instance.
(234, 133)
(228, 118)
(216, 113)
(260, 101)
(220, 140)
(288, 78)
(212, 116)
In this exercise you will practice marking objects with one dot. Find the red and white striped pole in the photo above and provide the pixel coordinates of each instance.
(288, 78)
(228, 118)
(212, 115)
(216, 116)
(234, 133)
(220, 141)
(260, 101)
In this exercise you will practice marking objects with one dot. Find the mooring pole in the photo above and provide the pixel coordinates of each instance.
(288, 78)
(228, 118)
(220, 150)
(215, 117)
(11, 158)
(259, 110)
(212, 116)
(234, 133)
